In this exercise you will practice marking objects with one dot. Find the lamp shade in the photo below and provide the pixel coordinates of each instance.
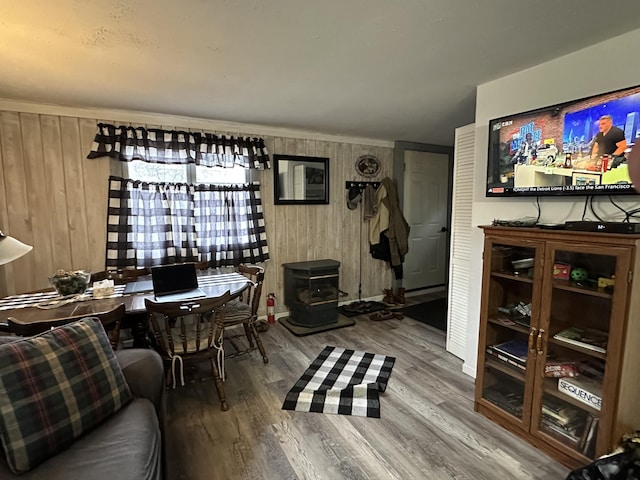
(11, 249)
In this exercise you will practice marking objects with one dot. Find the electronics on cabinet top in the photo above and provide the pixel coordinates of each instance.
(603, 227)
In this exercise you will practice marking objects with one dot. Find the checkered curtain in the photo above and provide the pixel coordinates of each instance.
(178, 147)
(153, 224)
(230, 224)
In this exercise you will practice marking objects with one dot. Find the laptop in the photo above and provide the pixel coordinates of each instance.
(138, 286)
(173, 283)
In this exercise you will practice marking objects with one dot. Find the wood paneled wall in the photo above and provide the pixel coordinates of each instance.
(55, 199)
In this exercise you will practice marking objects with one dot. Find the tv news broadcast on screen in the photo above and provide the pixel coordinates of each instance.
(581, 147)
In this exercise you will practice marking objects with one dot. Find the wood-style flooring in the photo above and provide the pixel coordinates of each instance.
(428, 428)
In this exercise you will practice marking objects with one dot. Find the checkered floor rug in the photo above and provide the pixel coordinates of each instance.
(340, 381)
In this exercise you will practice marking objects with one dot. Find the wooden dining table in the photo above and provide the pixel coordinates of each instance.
(47, 306)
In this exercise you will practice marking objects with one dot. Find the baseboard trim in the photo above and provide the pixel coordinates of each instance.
(469, 370)
(422, 291)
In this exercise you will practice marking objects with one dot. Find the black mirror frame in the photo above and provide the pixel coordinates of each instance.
(324, 161)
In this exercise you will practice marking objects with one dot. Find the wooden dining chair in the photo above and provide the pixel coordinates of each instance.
(129, 274)
(243, 310)
(111, 321)
(189, 330)
(206, 265)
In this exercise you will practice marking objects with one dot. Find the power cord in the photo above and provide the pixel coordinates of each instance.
(584, 210)
(619, 208)
(360, 262)
(631, 213)
(592, 209)
(628, 213)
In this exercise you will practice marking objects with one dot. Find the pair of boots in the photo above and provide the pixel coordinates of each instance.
(391, 299)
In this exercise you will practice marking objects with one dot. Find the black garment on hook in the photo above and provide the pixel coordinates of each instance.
(382, 251)
(353, 197)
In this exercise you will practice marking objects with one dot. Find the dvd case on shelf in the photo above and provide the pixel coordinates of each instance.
(589, 338)
(520, 365)
(515, 349)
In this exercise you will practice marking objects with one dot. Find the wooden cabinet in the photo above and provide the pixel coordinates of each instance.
(559, 345)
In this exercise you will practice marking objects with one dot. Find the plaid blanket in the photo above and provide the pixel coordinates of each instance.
(340, 381)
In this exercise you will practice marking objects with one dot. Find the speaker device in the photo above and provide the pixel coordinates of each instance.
(603, 227)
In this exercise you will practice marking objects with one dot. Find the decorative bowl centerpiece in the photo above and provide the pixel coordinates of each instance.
(70, 283)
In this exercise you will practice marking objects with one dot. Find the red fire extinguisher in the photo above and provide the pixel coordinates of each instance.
(271, 308)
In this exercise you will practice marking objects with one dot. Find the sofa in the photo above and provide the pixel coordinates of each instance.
(125, 444)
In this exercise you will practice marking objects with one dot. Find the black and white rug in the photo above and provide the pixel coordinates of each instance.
(344, 382)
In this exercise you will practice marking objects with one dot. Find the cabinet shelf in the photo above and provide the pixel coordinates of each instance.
(557, 305)
(505, 368)
(583, 290)
(578, 348)
(511, 276)
(515, 327)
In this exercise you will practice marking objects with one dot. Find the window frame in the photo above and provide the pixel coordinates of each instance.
(190, 169)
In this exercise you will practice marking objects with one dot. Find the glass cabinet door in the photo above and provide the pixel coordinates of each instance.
(577, 321)
(509, 315)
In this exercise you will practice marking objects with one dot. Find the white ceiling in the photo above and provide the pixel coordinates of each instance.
(384, 69)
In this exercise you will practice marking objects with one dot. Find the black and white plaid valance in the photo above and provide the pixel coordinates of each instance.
(157, 223)
(178, 147)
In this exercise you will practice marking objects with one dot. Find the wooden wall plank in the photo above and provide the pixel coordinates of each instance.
(75, 189)
(37, 198)
(310, 216)
(277, 242)
(328, 214)
(350, 232)
(7, 285)
(19, 224)
(271, 269)
(291, 214)
(56, 192)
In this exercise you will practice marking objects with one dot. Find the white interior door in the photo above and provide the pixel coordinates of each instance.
(426, 179)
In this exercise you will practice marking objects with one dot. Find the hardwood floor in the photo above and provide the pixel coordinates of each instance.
(428, 428)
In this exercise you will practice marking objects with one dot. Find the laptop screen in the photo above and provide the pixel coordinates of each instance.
(176, 278)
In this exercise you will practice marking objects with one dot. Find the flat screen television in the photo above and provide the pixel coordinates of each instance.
(574, 148)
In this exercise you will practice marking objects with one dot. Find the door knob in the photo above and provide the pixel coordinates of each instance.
(443, 229)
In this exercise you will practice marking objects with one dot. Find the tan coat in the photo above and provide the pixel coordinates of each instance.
(389, 218)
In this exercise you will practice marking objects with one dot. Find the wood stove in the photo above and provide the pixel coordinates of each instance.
(311, 292)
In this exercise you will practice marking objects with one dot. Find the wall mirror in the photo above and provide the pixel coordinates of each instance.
(300, 180)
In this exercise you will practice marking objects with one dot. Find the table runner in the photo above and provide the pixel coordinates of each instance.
(32, 299)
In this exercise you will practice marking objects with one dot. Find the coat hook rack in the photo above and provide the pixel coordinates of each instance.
(361, 185)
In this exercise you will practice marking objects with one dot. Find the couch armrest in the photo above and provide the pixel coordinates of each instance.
(144, 371)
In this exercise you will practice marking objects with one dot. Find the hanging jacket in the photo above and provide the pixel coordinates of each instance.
(389, 221)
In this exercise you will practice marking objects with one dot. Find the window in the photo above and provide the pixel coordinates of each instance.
(161, 172)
